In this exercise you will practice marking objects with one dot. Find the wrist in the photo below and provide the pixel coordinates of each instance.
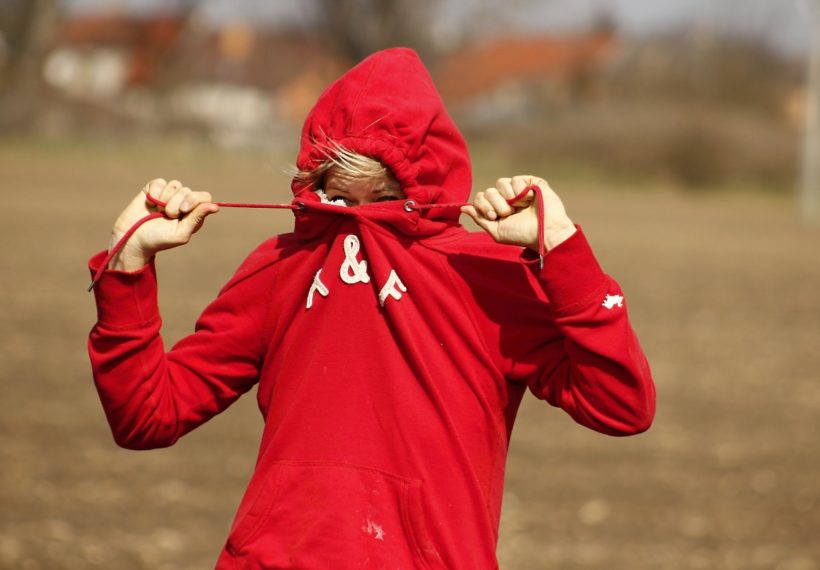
(122, 262)
(128, 258)
(556, 235)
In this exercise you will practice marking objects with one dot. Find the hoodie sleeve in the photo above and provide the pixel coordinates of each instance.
(151, 398)
(596, 371)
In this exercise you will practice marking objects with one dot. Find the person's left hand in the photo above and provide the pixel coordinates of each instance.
(518, 223)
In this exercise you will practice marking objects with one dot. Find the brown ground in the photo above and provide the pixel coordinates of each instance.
(724, 292)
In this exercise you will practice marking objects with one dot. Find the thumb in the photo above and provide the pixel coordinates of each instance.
(190, 224)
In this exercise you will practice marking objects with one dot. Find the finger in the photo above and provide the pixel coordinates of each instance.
(520, 183)
(516, 189)
(154, 188)
(504, 187)
(546, 190)
(170, 189)
(483, 207)
(480, 220)
(191, 223)
(175, 201)
(470, 211)
(498, 202)
(193, 200)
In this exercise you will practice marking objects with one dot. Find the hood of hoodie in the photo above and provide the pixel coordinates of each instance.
(387, 108)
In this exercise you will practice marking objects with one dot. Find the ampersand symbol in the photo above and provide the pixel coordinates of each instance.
(353, 270)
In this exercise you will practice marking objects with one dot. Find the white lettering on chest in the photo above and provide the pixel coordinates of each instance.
(317, 286)
(392, 288)
(353, 270)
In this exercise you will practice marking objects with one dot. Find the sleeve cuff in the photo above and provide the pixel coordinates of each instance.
(125, 299)
(571, 274)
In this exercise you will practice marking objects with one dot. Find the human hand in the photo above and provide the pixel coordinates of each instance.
(517, 223)
(184, 210)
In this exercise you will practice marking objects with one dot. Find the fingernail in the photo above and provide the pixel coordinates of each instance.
(184, 207)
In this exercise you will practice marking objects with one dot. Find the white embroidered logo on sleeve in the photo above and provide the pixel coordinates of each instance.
(612, 301)
(392, 288)
(317, 286)
(352, 270)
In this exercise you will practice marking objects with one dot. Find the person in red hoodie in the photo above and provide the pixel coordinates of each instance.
(391, 347)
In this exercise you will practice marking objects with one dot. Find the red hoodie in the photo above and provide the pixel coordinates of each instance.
(391, 350)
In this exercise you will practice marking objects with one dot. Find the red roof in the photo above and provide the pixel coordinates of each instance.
(146, 40)
(481, 68)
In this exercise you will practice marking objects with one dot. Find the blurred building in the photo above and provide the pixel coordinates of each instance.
(513, 77)
(238, 83)
(98, 56)
(687, 103)
(236, 76)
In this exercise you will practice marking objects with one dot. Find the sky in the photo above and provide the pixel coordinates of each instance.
(784, 23)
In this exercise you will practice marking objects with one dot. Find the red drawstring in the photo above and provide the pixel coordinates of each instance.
(410, 205)
(119, 245)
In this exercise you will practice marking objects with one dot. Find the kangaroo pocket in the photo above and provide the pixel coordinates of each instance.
(311, 514)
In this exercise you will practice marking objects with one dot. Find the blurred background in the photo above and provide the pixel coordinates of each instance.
(683, 136)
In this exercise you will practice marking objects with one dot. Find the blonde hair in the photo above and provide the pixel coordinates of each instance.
(348, 162)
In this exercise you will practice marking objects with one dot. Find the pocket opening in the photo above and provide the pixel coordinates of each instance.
(284, 519)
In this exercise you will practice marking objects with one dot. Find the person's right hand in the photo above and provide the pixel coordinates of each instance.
(185, 211)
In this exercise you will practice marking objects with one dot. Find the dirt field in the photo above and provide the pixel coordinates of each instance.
(724, 292)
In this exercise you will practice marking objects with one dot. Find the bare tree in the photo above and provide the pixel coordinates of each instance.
(357, 28)
(27, 27)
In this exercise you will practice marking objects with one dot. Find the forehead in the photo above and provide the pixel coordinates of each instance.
(339, 178)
